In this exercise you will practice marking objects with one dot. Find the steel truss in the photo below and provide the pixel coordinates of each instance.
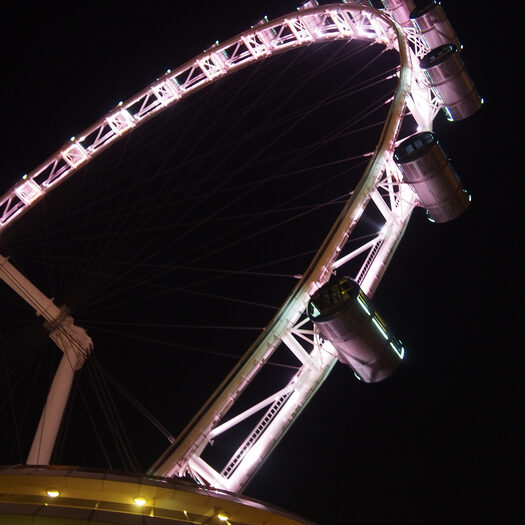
(380, 188)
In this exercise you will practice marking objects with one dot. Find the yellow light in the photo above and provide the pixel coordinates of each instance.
(140, 501)
(222, 516)
(53, 493)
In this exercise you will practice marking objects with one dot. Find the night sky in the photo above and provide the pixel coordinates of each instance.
(438, 442)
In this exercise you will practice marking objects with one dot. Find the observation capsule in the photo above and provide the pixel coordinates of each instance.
(434, 26)
(346, 318)
(427, 170)
(400, 11)
(447, 73)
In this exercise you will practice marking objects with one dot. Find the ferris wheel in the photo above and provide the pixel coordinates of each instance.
(327, 316)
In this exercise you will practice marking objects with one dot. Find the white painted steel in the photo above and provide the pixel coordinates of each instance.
(74, 343)
(395, 202)
(52, 414)
(184, 456)
(320, 24)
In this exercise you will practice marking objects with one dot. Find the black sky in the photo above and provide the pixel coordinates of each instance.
(437, 442)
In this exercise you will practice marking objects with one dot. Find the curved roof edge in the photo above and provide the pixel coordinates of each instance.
(71, 494)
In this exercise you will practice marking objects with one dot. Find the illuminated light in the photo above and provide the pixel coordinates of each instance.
(448, 115)
(120, 103)
(53, 493)
(384, 229)
(185, 512)
(140, 501)
(74, 155)
(72, 139)
(358, 377)
(24, 177)
(380, 328)
(222, 516)
(430, 218)
(167, 91)
(314, 311)
(28, 191)
(120, 121)
(363, 305)
(400, 353)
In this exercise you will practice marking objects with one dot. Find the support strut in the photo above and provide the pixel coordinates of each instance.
(75, 345)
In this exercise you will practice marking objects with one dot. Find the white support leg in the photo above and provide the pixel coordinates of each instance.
(74, 343)
(51, 418)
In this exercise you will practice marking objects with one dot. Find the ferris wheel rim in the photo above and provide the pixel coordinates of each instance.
(121, 124)
(295, 303)
(163, 93)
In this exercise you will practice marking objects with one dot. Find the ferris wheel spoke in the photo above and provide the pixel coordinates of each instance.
(361, 242)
